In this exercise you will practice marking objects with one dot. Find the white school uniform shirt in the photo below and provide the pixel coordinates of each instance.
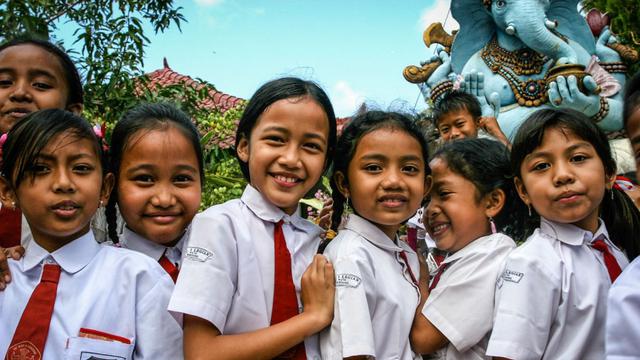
(103, 288)
(461, 304)
(551, 300)
(623, 315)
(227, 274)
(376, 298)
(133, 241)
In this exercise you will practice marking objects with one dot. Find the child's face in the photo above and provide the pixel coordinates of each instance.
(386, 178)
(564, 179)
(65, 191)
(454, 216)
(457, 125)
(31, 79)
(286, 152)
(159, 185)
(633, 129)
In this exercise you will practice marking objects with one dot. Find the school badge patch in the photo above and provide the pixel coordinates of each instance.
(348, 280)
(23, 350)
(512, 276)
(198, 254)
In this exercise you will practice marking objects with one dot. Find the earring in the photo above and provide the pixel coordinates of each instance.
(611, 191)
(529, 206)
(13, 205)
(493, 225)
(346, 206)
(101, 203)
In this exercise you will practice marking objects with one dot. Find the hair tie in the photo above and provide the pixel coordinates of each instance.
(3, 139)
(100, 131)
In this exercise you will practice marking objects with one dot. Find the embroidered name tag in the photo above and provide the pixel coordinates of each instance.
(348, 280)
(198, 254)
(512, 276)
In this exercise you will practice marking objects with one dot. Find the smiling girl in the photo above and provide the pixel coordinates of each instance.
(381, 172)
(250, 263)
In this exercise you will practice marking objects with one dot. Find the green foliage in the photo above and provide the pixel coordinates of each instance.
(624, 21)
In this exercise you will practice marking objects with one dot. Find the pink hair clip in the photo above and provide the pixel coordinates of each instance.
(100, 131)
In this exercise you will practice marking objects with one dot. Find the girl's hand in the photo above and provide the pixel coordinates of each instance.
(15, 253)
(318, 291)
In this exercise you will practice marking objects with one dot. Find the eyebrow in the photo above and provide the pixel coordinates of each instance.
(582, 144)
(50, 157)
(285, 130)
(151, 167)
(31, 72)
(382, 157)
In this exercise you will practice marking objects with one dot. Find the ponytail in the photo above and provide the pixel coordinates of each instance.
(622, 219)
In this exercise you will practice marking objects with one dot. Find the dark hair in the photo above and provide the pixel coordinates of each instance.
(71, 74)
(147, 118)
(485, 162)
(28, 137)
(617, 210)
(359, 126)
(631, 97)
(457, 101)
(279, 89)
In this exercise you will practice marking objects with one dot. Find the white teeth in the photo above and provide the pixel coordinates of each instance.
(439, 227)
(286, 179)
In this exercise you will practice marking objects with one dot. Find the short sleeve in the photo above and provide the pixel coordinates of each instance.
(527, 298)
(158, 334)
(206, 283)
(623, 315)
(461, 306)
(351, 332)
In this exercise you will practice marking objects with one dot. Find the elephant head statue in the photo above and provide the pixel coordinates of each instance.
(541, 25)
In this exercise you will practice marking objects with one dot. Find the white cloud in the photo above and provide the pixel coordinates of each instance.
(437, 12)
(345, 99)
(208, 2)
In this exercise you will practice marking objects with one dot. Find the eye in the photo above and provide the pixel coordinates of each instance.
(313, 146)
(144, 179)
(460, 124)
(39, 169)
(42, 86)
(501, 3)
(541, 166)
(5, 82)
(182, 179)
(274, 139)
(83, 168)
(444, 130)
(412, 169)
(579, 158)
(373, 168)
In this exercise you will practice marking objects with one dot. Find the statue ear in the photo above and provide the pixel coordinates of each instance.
(571, 24)
(476, 29)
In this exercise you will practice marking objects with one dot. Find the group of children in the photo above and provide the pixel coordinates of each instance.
(249, 282)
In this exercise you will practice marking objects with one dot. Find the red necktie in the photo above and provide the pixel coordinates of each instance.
(403, 255)
(169, 267)
(285, 302)
(436, 278)
(609, 260)
(11, 227)
(32, 330)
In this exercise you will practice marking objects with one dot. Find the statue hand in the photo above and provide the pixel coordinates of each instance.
(474, 85)
(564, 93)
(443, 70)
(603, 51)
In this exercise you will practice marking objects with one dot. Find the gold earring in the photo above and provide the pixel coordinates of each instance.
(529, 206)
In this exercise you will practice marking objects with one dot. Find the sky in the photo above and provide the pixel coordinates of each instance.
(355, 49)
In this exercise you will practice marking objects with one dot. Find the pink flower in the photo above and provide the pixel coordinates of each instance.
(3, 138)
(597, 21)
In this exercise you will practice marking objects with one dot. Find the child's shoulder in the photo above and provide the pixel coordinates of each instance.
(346, 244)
(127, 262)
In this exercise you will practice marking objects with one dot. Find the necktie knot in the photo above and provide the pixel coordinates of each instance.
(600, 245)
(610, 262)
(50, 273)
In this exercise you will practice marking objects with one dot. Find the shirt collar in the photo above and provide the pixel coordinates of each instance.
(571, 234)
(132, 240)
(472, 247)
(266, 211)
(72, 257)
(372, 233)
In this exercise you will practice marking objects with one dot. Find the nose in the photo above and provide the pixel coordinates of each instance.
(290, 156)
(563, 174)
(392, 179)
(163, 197)
(20, 92)
(431, 211)
(63, 183)
(455, 133)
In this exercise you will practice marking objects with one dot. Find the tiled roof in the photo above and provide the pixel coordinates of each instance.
(166, 76)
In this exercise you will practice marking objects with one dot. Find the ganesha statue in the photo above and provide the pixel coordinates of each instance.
(518, 56)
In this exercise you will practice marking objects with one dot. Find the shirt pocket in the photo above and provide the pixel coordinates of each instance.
(82, 348)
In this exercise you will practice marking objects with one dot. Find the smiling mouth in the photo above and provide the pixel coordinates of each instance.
(65, 209)
(392, 201)
(286, 181)
(438, 229)
(18, 113)
(163, 218)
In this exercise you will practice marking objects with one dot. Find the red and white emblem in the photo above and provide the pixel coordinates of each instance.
(24, 350)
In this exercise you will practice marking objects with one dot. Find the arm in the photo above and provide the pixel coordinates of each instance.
(202, 340)
(425, 338)
(490, 125)
(16, 253)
